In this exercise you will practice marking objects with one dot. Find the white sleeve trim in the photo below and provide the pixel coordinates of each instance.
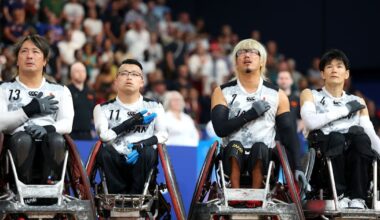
(366, 123)
(160, 130)
(314, 120)
(101, 125)
(65, 114)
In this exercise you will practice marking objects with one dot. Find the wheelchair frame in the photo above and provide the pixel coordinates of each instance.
(135, 206)
(210, 200)
(67, 206)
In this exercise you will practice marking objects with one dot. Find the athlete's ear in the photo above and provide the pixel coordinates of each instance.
(323, 75)
(347, 74)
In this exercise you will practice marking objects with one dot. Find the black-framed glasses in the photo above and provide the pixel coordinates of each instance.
(247, 51)
(132, 74)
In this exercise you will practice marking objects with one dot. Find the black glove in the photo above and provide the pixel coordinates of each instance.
(46, 105)
(141, 118)
(354, 106)
(36, 131)
(258, 109)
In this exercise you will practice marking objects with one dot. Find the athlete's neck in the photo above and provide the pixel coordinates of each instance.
(250, 81)
(31, 81)
(129, 98)
(335, 90)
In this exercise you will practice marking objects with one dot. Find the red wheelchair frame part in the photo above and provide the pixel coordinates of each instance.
(290, 180)
(204, 175)
(170, 183)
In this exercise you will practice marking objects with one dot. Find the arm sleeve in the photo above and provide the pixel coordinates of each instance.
(314, 120)
(101, 125)
(366, 123)
(289, 138)
(10, 120)
(160, 130)
(65, 113)
(222, 125)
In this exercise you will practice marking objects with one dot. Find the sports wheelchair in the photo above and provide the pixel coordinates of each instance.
(149, 205)
(211, 198)
(323, 202)
(69, 198)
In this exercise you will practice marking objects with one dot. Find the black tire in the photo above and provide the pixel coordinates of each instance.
(204, 176)
(171, 182)
(290, 180)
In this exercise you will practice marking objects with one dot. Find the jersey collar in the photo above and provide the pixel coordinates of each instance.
(26, 87)
(253, 93)
(332, 97)
(133, 106)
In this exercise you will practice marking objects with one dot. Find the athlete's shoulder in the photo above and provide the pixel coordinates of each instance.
(270, 85)
(229, 84)
(145, 99)
(108, 102)
(54, 83)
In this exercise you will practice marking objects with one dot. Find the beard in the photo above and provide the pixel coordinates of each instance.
(248, 70)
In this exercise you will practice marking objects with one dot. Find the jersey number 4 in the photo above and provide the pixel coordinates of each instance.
(14, 94)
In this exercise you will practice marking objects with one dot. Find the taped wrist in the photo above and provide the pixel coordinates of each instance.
(32, 108)
(289, 138)
(148, 142)
(222, 125)
(134, 120)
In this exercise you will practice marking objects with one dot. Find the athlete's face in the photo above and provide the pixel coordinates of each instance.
(129, 78)
(248, 60)
(30, 59)
(335, 72)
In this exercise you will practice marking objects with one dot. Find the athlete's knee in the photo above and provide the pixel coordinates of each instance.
(56, 140)
(233, 149)
(21, 144)
(149, 154)
(359, 141)
(335, 145)
(57, 146)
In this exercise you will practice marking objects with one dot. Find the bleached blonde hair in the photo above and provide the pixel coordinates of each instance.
(251, 44)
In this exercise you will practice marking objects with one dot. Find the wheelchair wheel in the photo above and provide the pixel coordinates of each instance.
(290, 180)
(171, 182)
(204, 177)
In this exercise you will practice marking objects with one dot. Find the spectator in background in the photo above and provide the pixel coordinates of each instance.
(137, 39)
(84, 102)
(103, 83)
(285, 82)
(151, 19)
(17, 27)
(114, 25)
(314, 75)
(73, 12)
(296, 75)
(92, 25)
(184, 132)
(49, 7)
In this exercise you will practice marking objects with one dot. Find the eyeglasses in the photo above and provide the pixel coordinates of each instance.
(132, 74)
(247, 51)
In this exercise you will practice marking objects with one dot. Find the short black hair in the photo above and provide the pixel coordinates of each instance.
(40, 42)
(132, 61)
(333, 54)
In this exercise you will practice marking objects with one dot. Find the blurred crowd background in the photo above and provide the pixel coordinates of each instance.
(184, 57)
